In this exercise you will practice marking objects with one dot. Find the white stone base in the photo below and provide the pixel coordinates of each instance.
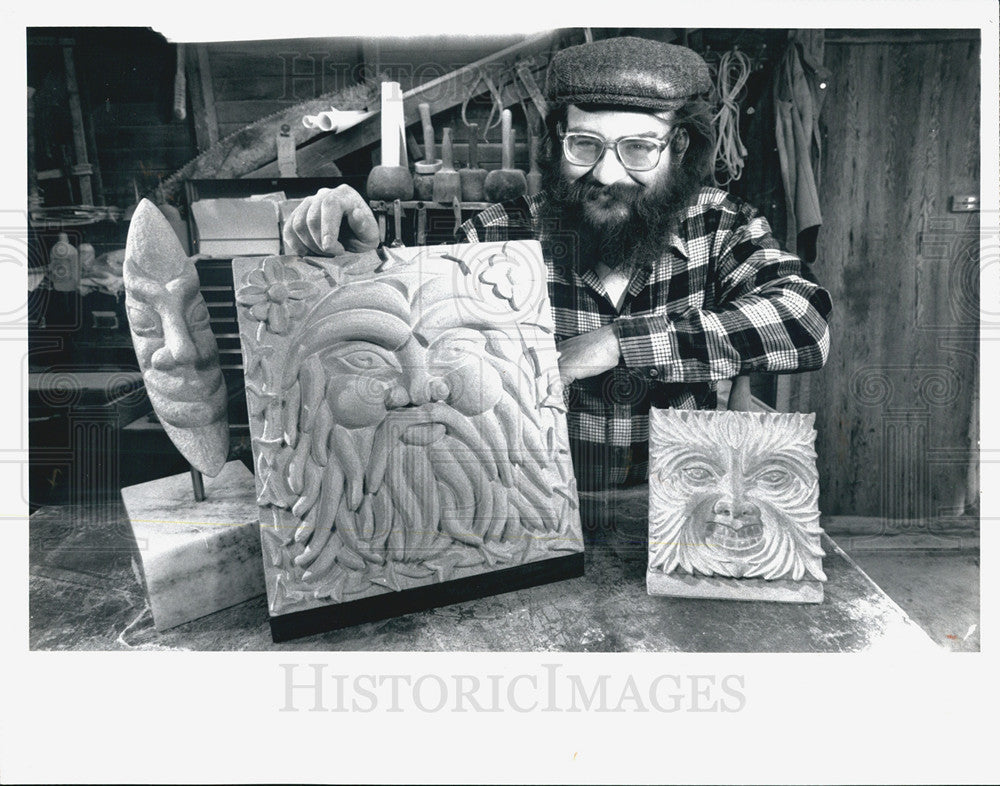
(197, 557)
(685, 585)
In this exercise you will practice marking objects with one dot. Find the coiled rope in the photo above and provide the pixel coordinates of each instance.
(733, 72)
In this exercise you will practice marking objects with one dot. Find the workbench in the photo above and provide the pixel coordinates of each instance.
(84, 595)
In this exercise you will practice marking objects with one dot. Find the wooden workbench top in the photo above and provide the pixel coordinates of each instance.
(85, 596)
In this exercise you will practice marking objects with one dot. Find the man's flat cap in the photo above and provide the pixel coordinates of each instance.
(626, 71)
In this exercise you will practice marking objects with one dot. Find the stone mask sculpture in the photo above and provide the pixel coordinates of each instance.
(173, 341)
(407, 419)
(733, 495)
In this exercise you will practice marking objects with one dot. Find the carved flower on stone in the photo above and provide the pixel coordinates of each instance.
(509, 279)
(275, 294)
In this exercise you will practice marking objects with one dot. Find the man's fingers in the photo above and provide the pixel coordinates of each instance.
(318, 219)
(360, 219)
(300, 230)
(330, 212)
(292, 243)
(365, 228)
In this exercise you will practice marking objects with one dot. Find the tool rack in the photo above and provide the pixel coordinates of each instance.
(419, 215)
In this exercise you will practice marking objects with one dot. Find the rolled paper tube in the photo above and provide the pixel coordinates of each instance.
(323, 121)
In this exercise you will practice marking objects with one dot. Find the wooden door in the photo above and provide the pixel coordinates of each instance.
(897, 403)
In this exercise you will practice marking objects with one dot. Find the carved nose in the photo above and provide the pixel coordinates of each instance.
(420, 390)
(174, 353)
(178, 348)
(742, 513)
(438, 389)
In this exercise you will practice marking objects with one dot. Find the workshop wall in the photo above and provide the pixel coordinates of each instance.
(125, 78)
(897, 403)
(253, 79)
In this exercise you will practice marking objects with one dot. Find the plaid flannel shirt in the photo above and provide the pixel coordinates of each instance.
(722, 300)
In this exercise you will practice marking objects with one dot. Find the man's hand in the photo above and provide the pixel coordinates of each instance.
(588, 354)
(330, 223)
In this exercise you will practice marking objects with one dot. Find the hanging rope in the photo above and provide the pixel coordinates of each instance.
(734, 70)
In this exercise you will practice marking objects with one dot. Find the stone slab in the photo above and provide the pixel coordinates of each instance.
(733, 506)
(196, 557)
(408, 429)
(723, 588)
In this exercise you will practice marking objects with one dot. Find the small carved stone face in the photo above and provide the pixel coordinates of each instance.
(734, 494)
(173, 341)
(175, 346)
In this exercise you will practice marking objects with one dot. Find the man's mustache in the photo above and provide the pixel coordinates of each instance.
(588, 189)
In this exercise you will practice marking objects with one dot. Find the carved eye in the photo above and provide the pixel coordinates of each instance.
(450, 352)
(364, 360)
(454, 351)
(198, 314)
(144, 321)
(775, 477)
(697, 474)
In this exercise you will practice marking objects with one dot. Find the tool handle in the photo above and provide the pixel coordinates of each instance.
(533, 140)
(473, 146)
(392, 123)
(507, 140)
(447, 153)
(425, 120)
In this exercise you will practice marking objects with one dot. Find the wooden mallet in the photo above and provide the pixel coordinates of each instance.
(473, 178)
(391, 180)
(505, 183)
(423, 181)
(447, 183)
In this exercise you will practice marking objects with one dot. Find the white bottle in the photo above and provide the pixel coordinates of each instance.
(64, 265)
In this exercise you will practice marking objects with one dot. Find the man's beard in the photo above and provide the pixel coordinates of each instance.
(623, 225)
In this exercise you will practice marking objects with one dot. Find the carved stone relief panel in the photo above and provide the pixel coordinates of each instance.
(173, 341)
(733, 503)
(407, 419)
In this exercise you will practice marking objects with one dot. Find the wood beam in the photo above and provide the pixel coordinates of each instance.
(81, 167)
(199, 79)
(442, 94)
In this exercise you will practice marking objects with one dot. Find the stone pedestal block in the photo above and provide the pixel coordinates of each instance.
(196, 557)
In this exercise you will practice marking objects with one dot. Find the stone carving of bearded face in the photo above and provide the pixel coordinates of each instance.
(412, 432)
(173, 341)
(734, 494)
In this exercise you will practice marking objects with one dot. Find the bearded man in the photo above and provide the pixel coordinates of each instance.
(660, 287)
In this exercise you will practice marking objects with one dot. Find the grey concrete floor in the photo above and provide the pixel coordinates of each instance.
(937, 588)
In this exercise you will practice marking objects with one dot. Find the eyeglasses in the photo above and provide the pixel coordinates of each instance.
(637, 153)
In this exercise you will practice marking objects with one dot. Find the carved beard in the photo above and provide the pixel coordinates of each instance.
(409, 489)
(762, 523)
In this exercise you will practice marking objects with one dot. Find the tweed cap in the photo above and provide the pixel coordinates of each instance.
(626, 71)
